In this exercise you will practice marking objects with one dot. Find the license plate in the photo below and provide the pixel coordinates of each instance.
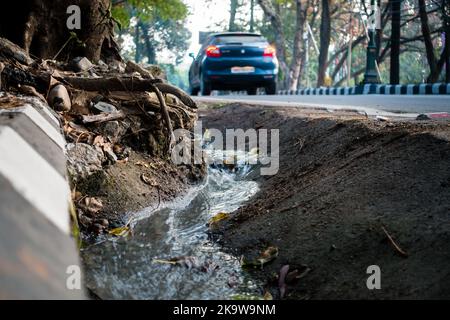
(242, 69)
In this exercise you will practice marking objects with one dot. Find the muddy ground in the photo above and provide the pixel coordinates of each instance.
(342, 179)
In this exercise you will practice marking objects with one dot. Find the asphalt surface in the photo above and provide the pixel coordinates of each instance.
(407, 105)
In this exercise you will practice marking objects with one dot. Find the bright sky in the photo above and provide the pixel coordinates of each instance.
(204, 17)
(212, 15)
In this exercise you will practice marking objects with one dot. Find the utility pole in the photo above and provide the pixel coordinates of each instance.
(395, 41)
(252, 16)
(371, 75)
(379, 30)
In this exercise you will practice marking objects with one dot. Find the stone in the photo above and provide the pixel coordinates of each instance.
(112, 157)
(422, 117)
(112, 130)
(83, 160)
(81, 64)
(58, 98)
(101, 106)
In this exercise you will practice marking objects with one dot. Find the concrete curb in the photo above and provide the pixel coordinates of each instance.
(410, 89)
(35, 243)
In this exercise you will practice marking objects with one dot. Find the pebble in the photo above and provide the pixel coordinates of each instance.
(59, 99)
(81, 64)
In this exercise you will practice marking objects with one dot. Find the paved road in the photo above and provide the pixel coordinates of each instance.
(371, 104)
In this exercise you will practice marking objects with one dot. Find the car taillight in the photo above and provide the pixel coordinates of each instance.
(269, 52)
(213, 52)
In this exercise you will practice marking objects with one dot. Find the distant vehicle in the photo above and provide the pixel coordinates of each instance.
(234, 61)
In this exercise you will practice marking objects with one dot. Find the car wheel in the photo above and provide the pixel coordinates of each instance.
(205, 87)
(271, 89)
(252, 91)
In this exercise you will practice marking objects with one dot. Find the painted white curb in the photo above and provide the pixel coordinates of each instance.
(34, 178)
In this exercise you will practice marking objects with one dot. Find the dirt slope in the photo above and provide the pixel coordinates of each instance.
(341, 179)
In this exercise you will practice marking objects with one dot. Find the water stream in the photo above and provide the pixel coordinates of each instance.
(128, 268)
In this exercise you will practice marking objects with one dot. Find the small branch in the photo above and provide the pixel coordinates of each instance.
(394, 244)
(166, 116)
(103, 117)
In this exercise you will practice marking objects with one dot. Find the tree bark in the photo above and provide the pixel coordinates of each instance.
(395, 41)
(151, 52)
(434, 73)
(272, 12)
(40, 27)
(294, 72)
(325, 34)
(137, 40)
(233, 10)
(447, 54)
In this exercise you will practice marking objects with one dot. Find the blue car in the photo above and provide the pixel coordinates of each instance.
(234, 61)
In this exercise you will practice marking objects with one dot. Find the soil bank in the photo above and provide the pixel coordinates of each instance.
(342, 179)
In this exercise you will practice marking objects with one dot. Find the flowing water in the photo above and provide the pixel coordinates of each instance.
(136, 267)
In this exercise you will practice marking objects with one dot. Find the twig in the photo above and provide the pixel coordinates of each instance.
(166, 116)
(99, 118)
(394, 244)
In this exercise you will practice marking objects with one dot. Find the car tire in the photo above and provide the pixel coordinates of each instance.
(252, 91)
(271, 89)
(205, 87)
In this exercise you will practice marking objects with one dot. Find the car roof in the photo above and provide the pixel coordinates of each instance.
(221, 34)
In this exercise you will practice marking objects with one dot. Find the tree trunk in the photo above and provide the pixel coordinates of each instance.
(252, 15)
(395, 41)
(446, 19)
(325, 33)
(294, 72)
(273, 14)
(151, 52)
(137, 42)
(447, 54)
(233, 10)
(434, 73)
(40, 27)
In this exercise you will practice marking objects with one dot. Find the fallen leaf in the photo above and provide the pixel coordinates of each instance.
(184, 261)
(164, 261)
(268, 295)
(123, 161)
(142, 164)
(217, 218)
(99, 141)
(120, 232)
(148, 180)
(93, 205)
(265, 257)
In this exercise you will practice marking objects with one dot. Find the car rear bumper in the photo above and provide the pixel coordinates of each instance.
(239, 81)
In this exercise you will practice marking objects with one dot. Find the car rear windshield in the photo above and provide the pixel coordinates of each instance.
(236, 39)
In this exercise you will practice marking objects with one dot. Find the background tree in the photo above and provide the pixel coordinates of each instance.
(325, 34)
(156, 26)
